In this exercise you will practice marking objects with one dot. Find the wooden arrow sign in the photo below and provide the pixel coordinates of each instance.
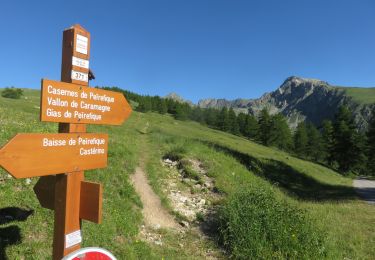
(90, 197)
(31, 155)
(70, 103)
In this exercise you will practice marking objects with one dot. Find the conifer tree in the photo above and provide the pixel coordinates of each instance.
(159, 105)
(145, 104)
(241, 119)
(314, 144)
(301, 140)
(371, 145)
(251, 127)
(280, 135)
(348, 148)
(234, 128)
(181, 112)
(210, 117)
(328, 142)
(264, 127)
(197, 115)
(171, 105)
(223, 120)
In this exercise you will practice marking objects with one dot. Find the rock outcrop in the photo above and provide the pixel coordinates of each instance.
(178, 98)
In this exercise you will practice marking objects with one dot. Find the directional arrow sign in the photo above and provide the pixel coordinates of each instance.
(70, 103)
(31, 155)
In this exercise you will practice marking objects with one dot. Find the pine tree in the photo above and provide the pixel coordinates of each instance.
(371, 145)
(171, 106)
(144, 104)
(301, 140)
(210, 117)
(160, 105)
(264, 127)
(280, 135)
(234, 127)
(315, 143)
(348, 148)
(197, 115)
(181, 112)
(223, 122)
(241, 119)
(360, 140)
(155, 102)
(328, 142)
(251, 127)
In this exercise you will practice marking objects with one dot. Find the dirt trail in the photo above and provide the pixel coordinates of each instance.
(153, 212)
(185, 236)
(155, 215)
(366, 189)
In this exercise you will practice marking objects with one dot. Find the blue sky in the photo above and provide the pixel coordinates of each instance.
(197, 48)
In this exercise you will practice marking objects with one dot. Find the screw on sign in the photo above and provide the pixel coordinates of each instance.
(90, 253)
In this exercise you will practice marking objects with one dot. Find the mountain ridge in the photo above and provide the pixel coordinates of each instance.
(302, 99)
(174, 96)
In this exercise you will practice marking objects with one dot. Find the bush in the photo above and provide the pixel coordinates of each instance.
(12, 92)
(175, 154)
(253, 224)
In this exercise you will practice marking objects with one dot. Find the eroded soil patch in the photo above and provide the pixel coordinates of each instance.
(189, 189)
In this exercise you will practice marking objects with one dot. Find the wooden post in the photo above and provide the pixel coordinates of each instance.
(33, 155)
(74, 69)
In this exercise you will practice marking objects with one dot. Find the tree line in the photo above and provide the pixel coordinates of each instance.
(336, 143)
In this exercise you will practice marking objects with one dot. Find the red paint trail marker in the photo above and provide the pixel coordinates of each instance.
(90, 253)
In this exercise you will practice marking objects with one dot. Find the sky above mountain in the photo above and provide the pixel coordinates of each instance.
(196, 48)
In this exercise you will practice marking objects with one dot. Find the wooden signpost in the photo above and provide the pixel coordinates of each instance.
(61, 158)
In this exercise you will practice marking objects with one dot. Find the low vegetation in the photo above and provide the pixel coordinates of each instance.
(361, 95)
(255, 224)
(12, 92)
(325, 199)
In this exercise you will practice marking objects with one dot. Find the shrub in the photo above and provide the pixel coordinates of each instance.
(176, 153)
(253, 224)
(12, 92)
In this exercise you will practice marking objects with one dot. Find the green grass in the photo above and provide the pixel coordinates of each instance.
(255, 224)
(121, 205)
(360, 95)
(232, 161)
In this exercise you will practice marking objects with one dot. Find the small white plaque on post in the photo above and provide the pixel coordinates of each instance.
(81, 44)
(73, 239)
(80, 62)
(77, 75)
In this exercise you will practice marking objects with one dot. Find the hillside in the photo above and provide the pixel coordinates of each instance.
(302, 99)
(185, 161)
(360, 95)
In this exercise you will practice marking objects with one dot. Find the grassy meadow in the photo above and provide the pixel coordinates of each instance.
(360, 95)
(327, 199)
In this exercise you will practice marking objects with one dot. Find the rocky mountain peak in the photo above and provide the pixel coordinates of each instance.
(299, 99)
(295, 80)
(173, 96)
(297, 88)
(176, 97)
